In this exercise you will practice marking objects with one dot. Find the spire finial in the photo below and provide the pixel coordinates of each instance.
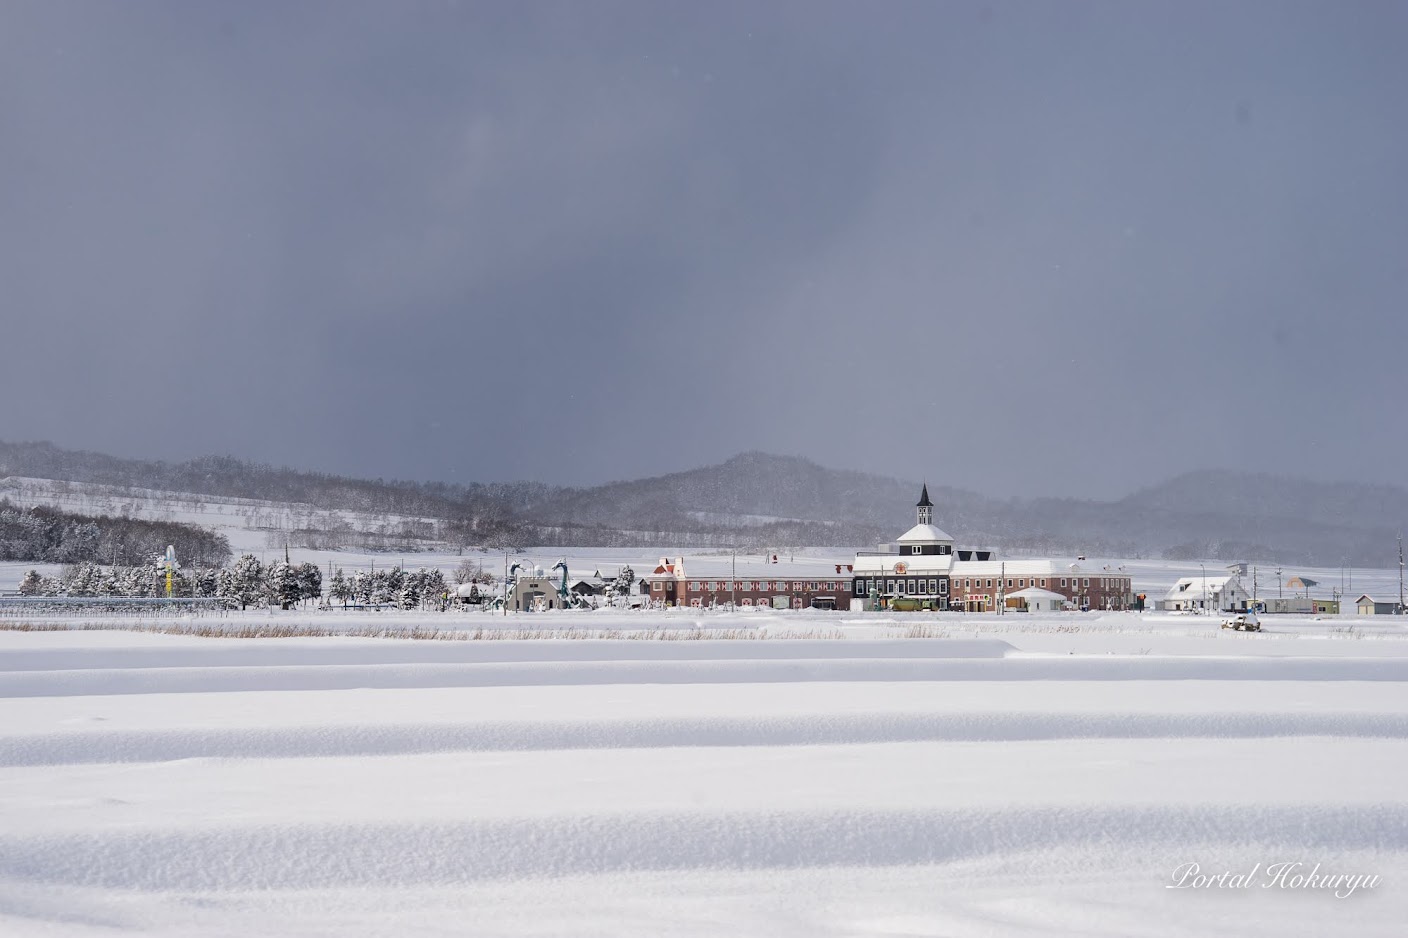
(925, 507)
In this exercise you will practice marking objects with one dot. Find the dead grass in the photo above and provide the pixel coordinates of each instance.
(415, 633)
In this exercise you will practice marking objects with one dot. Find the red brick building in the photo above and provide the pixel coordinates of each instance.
(780, 584)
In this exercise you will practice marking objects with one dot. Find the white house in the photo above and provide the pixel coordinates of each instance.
(1211, 593)
(1040, 600)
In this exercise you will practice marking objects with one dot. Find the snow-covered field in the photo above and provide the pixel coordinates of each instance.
(1023, 775)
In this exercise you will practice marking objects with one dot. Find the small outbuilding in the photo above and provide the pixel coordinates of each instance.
(1367, 605)
(1039, 600)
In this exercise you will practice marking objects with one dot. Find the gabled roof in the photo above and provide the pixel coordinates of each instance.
(1192, 587)
(924, 534)
(1035, 592)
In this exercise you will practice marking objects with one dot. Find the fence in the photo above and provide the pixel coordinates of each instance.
(108, 605)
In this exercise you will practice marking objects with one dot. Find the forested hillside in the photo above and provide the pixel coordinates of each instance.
(762, 500)
(45, 535)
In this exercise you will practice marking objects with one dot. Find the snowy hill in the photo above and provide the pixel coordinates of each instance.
(751, 499)
(249, 524)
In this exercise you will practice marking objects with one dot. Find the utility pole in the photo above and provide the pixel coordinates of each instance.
(1400, 574)
(1278, 582)
(1204, 568)
(1253, 585)
(734, 582)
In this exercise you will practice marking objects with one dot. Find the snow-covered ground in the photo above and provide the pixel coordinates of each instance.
(1022, 775)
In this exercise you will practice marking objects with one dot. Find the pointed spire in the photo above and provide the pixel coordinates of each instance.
(924, 498)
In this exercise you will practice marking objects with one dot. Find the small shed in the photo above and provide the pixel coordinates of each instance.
(1038, 599)
(1367, 605)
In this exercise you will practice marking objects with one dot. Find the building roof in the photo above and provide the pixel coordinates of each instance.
(915, 564)
(924, 534)
(924, 498)
(1198, 587)
(1036, 593)
(1011, 568)
(724, 567)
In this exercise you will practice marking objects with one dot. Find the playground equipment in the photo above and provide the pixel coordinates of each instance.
(569, 599)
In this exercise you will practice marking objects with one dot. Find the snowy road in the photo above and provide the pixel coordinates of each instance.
(171, 786)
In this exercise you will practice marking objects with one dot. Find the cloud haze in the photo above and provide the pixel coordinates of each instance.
(1021, 247)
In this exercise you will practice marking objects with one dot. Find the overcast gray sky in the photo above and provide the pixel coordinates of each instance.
(1027, 248)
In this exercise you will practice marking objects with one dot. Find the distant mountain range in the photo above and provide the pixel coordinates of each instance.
(762, 500)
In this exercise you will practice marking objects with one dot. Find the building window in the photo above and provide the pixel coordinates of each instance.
(989, 584)
(1087, 582)
(1043, 584)
(1063, 581)
(658, 587)
(916, 550)
(889, 586)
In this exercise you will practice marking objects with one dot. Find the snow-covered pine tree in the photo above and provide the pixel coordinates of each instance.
(227, 589)
(338, 588)
(310, 581)
(31, 584)
(281, 584)
(248, 581)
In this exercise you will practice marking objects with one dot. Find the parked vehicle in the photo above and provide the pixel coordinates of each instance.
(1243, 622)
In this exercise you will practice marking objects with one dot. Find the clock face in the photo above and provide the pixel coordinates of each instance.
(901, 567)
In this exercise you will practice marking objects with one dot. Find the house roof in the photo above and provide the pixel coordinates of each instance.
(1035, 592)
(924, 534)
(1198, 587)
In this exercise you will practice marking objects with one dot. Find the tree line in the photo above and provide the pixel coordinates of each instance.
(49, 535)
(248, 583)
